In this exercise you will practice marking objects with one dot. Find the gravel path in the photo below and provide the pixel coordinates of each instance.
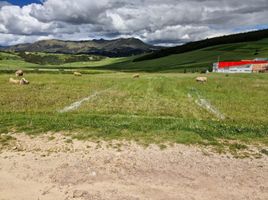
(45, 169)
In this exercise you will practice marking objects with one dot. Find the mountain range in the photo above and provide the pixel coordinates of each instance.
(111, 48)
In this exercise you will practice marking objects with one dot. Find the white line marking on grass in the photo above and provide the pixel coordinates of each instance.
(205, 104)
(77, 104)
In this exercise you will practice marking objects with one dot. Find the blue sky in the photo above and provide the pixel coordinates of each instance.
(22, 2)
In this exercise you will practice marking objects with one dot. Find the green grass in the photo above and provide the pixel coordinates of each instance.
(153, 109)
(56, 58)
(156, 108)
(193, 61)
(12, 61)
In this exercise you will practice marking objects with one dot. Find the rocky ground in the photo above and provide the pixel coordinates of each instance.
(55, 167)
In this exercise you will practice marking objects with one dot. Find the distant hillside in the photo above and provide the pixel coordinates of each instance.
(198, 60)
(230, 39)
(111, 48)
(193, 61)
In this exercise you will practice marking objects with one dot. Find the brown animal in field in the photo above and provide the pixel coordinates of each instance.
(19, 73)
(201, 79)
(77, 74)
(23, 81)
(14, 81)
(136, 76)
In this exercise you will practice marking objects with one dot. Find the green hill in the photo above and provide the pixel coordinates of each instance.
(197, 60)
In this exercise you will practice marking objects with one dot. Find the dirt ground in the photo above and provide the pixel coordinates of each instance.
(54, 168)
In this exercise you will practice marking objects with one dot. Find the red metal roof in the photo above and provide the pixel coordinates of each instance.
(239, 63)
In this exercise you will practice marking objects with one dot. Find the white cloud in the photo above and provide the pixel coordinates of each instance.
(154, 21)
(18, 21)
(11, 39)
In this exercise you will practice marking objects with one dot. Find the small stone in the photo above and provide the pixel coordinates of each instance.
(94, 174)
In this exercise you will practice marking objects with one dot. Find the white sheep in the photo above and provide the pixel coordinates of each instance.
(77, 74)
(14, 81)
(19, 73)
(202, 79)
(136, 76)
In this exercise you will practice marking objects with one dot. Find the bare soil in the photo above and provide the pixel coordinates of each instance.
(46, 168)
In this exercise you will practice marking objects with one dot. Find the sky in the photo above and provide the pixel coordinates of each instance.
(22, 2)
(158, 22)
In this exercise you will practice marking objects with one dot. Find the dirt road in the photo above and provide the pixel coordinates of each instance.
(48, 168)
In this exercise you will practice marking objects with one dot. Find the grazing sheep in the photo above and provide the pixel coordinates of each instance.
(77, 74)
(201, 79)
(19, 73)
(23, 81)
(14, 81)
(136, 76)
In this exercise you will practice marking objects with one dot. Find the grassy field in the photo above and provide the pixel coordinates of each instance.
(12, 61)
(186, 62)
(157, 108)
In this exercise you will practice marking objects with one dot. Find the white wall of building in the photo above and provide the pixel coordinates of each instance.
(238, 69)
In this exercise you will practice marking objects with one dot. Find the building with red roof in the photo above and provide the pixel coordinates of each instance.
(243, 66)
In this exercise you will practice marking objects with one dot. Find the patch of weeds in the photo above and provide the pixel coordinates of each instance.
(243, 155)
(98, 146)
(119, 145)
(237, 146)
(143, 144)
(118, 150)
(220, 149)
(162, 146)
(68, 134)
(257, 156)
(264, 151)
(50, 138)
(242, 151)
(5, 140)
(69, 141)
(116, 146)
(109, 145)
(206, 153)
